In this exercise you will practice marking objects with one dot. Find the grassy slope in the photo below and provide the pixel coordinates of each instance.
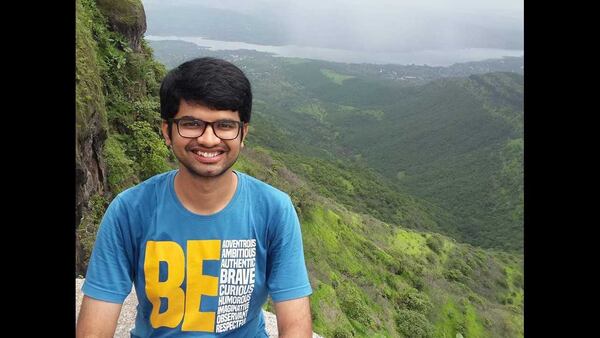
(365, 272)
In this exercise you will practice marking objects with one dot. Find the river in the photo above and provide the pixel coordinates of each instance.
(441, 57)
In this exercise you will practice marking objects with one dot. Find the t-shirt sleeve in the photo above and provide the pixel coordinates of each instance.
(287, 277)
(109, 275)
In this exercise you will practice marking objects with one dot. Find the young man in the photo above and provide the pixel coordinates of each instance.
(204, 245)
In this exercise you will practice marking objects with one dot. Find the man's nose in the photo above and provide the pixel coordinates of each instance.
(209, 137)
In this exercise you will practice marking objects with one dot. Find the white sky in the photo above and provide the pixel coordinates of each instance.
(388, 25)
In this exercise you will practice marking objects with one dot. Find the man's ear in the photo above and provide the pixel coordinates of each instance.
(165, 131)
(245, 132)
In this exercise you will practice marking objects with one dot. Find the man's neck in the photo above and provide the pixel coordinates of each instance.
(205, 195)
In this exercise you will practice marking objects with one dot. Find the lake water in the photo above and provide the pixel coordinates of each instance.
(444, 57)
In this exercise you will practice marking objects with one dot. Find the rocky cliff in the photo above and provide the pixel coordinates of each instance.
(91, 128)
(116, 78)
(127, 17)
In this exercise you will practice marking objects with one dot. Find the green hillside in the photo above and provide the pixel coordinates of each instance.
(372, 273)
(373, 279)
(455, 142)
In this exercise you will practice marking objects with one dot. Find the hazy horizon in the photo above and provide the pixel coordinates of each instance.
(429, 27)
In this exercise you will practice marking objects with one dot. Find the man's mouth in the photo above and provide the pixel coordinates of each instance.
(209, 154)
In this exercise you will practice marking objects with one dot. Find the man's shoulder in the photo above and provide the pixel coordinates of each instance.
(261, 189)
(145, 189)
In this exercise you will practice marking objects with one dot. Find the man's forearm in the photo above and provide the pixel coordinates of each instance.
(294, 318)
(97, 319)
(299, 331)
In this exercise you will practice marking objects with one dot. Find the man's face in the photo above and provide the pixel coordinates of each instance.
(207, 155)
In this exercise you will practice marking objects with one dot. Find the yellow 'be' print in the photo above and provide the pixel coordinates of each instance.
(181, 305)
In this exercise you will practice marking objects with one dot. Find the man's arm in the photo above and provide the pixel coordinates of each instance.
(293, 318)
(97, 319)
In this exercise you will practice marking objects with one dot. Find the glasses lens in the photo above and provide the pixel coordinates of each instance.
(191, 128)
(225, 129)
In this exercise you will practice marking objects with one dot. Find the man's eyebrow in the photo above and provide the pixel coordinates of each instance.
(187, 117)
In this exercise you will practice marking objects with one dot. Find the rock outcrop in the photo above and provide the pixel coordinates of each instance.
(126, 17)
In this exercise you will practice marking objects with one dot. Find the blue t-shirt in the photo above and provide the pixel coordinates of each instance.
(198, 275)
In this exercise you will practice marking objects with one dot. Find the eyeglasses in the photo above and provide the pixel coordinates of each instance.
(194, 128)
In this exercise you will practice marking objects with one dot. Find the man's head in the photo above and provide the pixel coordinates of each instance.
(213, 83)
(205, 90)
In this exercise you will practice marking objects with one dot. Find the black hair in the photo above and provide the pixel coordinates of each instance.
(213, 83)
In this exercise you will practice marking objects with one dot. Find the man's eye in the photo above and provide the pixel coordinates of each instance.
(191, 124)
(226, 125)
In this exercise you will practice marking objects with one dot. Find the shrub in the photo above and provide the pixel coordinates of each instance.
(341, 332)
(353, 304)
(453, 275)
(518, 280)
(502, 283)
(90, 222)
(119, 111)
(415, 280)
(335, 280)
(147, 109)
(431, 258)
(148, 150)
(119, 167)
(415, 301)
(435, 243)
(413, 324)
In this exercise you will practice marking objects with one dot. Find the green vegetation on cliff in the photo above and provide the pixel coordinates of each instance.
(116, 105)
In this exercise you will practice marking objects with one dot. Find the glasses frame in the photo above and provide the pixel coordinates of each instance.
(240, 125)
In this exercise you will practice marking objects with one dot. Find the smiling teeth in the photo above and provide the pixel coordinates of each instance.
(203, 154)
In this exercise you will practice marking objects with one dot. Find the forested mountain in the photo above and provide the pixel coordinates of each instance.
(453, 141)
(377, 261)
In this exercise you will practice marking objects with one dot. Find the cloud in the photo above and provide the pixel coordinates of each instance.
(386, 25)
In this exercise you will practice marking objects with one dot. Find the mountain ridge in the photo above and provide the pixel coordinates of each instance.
(453, 141)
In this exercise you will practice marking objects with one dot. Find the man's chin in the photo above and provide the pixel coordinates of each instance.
(208, 172)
